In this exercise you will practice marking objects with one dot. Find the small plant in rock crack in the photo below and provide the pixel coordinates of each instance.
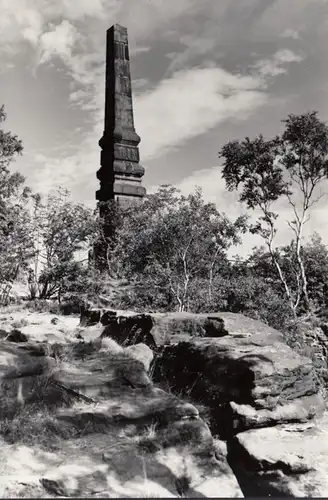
(19, 323)
(148, 442)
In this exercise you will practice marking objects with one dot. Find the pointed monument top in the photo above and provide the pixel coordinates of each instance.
(118, 33)
(118, 26)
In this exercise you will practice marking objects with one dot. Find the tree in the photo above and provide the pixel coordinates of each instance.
(10, 145)
(290, 166)
(171, 246)
(15, 238)
(60, 229)
(315, 258)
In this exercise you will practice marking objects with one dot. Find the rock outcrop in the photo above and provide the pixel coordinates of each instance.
(157, 329)
(285, 460)
(262, 394)
(102, 428)
(90, 422)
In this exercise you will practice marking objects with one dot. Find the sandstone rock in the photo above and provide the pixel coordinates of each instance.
(142, 353)
(25, 378)
(100, 373)
(137, 407)
(17, 363)
(193, 434)
(121, 470)
(159, 329)
(127, 407)
(286, 460)
(75, 480)
(90, 333)
(259, 373)
(299, 410)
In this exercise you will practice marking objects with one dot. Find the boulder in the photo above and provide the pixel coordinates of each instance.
(160, 329)
(247, 382)
(22, 375)
(123, 471)
(142, 353)
(286, 460)
(131, 407)
(100, 373)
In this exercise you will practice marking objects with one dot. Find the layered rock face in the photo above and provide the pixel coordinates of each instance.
(263, 397)
(119, 434)
(87, 420)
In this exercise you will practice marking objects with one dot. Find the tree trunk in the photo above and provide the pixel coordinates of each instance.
(292, 305)
(301, 265)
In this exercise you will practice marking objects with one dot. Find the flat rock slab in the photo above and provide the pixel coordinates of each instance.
(116, 466)
(22, 375)
(286, 460)
(99, 373)
(41, 326)
(130, 407)
(159, 329)
(173, 459)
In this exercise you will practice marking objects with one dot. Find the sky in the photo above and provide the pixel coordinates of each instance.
(203, 73)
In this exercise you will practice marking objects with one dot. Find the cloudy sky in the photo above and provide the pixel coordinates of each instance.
(204, 72)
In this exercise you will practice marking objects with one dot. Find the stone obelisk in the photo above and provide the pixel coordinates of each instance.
(120, 173)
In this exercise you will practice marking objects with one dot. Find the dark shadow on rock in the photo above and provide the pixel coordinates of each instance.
(185, 370)
(3, 334)
(130, 330)
(16, 336)
(248, 472)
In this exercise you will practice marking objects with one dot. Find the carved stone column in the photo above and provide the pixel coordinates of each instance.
(120, 173)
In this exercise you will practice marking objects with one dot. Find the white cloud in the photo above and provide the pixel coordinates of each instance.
(58, 41)
(213, 188)
(274, 66)
(20, 20)
(290, 33)
(138, 50)
(40, 158)
(287, 56)
(191, 103)
(195, 47)
(83, 8)
(182, 106)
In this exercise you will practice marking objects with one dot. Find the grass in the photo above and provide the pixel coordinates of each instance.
(19, 323)
(35, 425)
(204, 410)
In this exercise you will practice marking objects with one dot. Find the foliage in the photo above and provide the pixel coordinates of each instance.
(168, 246)
(60, 229)
(315, 258)
(290, 166)
(15, 238)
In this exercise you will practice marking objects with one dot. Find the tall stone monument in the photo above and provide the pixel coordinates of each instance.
(120, 173)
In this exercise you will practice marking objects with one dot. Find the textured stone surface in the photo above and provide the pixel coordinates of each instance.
(22, 375)
(286, 460)
(97, 374)
(247, 382)
(159, 329)
(120, 173)
(120, 435)
(126, 437)
(142, 353)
